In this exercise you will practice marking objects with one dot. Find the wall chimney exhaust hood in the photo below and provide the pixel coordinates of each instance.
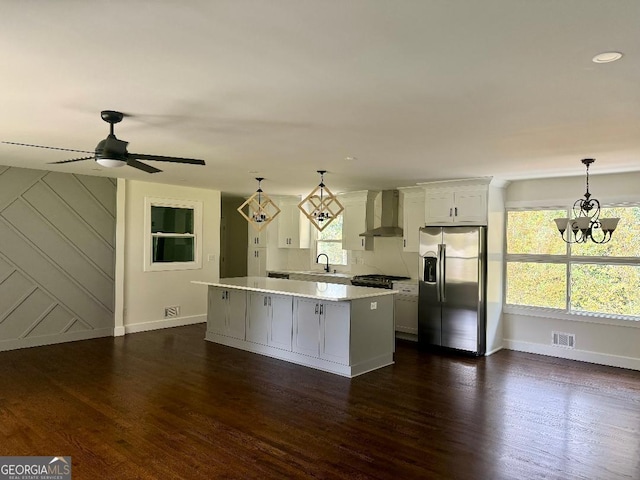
(389, 219)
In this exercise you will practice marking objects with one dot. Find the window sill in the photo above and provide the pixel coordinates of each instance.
(172, 266)
(602, 319)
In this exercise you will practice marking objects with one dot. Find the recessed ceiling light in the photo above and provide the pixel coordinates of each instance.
(350, 159)
(607, 57)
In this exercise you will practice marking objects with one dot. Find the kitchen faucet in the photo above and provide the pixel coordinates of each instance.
(326, 269)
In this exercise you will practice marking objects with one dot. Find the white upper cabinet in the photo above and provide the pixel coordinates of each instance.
(413, 203)
(357, 218)
(447, 204)
(294, 228)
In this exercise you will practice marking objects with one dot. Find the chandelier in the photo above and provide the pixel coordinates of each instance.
(586, 224)
(261, 209)
(321, 206)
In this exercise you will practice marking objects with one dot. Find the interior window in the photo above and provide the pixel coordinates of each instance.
(173, 230)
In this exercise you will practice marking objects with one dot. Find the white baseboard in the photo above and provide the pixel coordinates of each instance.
(572, 354)
(164, 323)
(28, 342)
(495, 350)
(119, 331)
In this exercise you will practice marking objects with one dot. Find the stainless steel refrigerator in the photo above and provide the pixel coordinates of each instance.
(452, 288)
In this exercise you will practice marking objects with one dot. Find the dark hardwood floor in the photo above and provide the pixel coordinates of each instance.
(166, 404)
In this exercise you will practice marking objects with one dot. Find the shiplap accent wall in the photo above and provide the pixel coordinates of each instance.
(57, 257)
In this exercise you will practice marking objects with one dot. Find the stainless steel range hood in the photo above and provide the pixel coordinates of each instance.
(390, 221)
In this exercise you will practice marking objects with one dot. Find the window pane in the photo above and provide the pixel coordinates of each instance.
(623, 243)
(536, 284)
(337, 256)
(612, 289)
(535, 232)
(171, 249)
(333, 231)
(171, 220)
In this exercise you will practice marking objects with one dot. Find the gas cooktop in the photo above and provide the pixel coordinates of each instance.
(376, 280)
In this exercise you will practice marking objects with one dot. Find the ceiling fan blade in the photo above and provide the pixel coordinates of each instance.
(160, 158)
(73, 160)
(49, 148)
(142, 166)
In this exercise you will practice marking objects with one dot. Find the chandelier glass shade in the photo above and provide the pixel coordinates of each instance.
(586, 224)
(321, 206)
(261, 210)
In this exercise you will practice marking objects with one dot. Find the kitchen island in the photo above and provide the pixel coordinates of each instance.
(340, 329)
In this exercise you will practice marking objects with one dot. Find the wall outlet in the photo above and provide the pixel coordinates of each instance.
(374, 305)
(211, 257)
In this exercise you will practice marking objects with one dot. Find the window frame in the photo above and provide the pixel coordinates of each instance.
(345, 254)
(149, 236)
(568, 260)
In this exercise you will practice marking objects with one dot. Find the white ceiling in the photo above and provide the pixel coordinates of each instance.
(415, 90)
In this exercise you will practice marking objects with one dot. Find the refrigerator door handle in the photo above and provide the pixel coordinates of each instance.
(442, 251)
(439, 275)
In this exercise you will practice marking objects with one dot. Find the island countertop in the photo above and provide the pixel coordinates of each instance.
(332, 292)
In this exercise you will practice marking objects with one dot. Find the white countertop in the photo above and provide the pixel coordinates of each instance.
(318, 290)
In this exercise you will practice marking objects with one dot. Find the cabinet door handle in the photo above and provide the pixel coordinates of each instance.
(316, 308)
(321, 305)
(404, 241)
(451, 212)
(456, 210)
(269, 301)
(362, 242)
(265, 302)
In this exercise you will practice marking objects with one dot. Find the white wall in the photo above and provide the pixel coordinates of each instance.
(495, 268)
(599, 340)
(145, 294)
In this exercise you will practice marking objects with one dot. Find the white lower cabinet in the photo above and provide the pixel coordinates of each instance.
(406, 313)
(345, 337)
(258, 314)
(280, 333)
(270, 320)
(335, 332)
(322, 329)
(228, 312)
(406, 308)
(306, 329)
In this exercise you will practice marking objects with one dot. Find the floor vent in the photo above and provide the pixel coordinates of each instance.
(566, 340)
(171, 312)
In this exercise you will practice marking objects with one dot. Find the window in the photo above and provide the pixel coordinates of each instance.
(329, 241)
(173, 231)
(542, 271)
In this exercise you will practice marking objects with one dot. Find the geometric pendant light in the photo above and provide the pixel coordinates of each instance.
(321, 207)
(261, 208)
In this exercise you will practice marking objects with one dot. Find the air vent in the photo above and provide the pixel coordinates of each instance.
(171, 312)
(566, 340)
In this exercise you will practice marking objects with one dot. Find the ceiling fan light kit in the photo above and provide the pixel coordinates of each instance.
(112, 152)
(586, 224)
(321, 206)
(261, 209)
(111, 162)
